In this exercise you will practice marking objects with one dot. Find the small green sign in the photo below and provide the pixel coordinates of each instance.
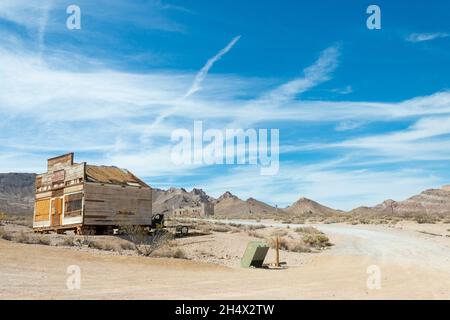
(254, 255)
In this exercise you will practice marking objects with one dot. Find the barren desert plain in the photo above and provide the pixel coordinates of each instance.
(413, 260)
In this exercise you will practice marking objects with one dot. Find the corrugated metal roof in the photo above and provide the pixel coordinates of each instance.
(113, 175)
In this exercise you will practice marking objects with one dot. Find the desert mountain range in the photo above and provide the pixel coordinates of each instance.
(431, 201)
(17, 194)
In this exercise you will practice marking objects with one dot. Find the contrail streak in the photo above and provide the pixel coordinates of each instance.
(201, 75)
(199, 78)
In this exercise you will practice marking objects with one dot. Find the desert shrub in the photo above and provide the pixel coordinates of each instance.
(204, 229)
(26, 221)
(220, 228)
(69, 241)
(86, 240)
(255, 234)
(337, 219)
(255, 227)
(169, 252)
(236, 225)
(392, 220)
(273, 244)
(308, 230)
(279, 233)
(179, 254)
(104, 245)
(421, 219)
(317, 241)
(144, 243)
(152, 243)
(43, 240)
(5, 235)
(298, 246)
(293, 245)
(299, 221)
(23, 237)
(364, 221)
(126, 245)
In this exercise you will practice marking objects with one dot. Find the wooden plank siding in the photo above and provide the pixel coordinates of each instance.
(61, 162)
(73, 176)
(42, 210)
(109, 204)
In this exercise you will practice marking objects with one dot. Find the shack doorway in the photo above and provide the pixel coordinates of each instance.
(57, 209)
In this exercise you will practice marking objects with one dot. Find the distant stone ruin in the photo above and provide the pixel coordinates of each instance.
(205, 210)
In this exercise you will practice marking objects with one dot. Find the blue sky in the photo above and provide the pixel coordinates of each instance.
(364, 115)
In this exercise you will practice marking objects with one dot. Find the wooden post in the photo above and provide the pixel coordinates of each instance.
(277, 263)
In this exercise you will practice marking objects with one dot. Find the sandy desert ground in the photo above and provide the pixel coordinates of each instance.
(414, 261)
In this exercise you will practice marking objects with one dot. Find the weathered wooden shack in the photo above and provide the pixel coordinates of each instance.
(89, 199)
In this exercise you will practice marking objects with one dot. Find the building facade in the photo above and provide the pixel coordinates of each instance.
(89, 199)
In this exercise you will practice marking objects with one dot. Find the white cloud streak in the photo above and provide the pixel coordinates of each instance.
(421, 37)
(42, 25)
(198, 80)
(201, 75)
(317, 73)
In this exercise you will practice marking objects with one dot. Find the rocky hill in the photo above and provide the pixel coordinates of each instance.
(429, 202)
(226, 205)
(305, 206)
(17, 193)
(230, 205)
(164, 201)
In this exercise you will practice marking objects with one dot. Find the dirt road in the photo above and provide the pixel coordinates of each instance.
(412, 265)
(402, 246)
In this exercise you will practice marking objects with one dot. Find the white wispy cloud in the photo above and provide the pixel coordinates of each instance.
(122, 106)
(33, 15)
(23, 12)
(348, 125)
(345, 90)
(420, 37)
(313, 75)
(46, 16)
(426, 139)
